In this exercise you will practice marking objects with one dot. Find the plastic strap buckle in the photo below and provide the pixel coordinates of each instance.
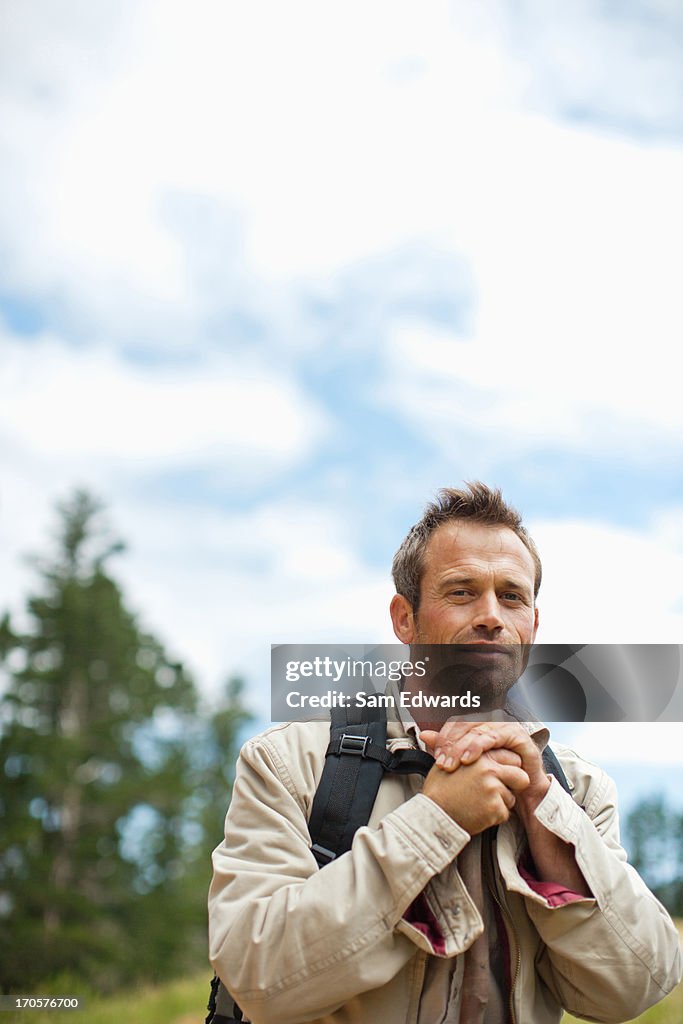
(354, 744)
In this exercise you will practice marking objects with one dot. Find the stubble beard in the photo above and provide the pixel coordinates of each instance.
(452, 671)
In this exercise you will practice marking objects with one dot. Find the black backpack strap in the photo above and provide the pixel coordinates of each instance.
(401, 762)
(221, 1004)
(355, 763)
(553, 767)
(351, 777)
(410, 761)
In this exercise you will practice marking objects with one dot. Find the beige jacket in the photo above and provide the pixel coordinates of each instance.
(295, 943)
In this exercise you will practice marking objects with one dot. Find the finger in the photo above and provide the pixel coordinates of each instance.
(515, 779)
(453, 728)
(513, 736)
(433, 741)
(474, 744)
(429, 738)
(508, 797)
(507, 734)
(469, 748)
(501, 755)
(450, 732)
(465, 746)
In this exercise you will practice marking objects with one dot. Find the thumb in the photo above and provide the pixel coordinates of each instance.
(429, 738)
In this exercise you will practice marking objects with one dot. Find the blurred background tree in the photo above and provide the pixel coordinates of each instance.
(654, 836)
(113, 785)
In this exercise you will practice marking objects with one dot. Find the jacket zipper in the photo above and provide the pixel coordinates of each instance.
(508, 925)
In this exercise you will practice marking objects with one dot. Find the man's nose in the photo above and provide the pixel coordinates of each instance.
(487, 613)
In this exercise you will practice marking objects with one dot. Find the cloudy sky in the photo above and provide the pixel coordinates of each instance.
(271, 274)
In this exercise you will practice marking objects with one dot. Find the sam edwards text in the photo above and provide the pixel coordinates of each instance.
(338, 699)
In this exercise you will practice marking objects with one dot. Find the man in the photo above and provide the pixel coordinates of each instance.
(486, 894)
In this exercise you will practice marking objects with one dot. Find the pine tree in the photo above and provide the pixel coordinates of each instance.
(654, 836)
(98, 778)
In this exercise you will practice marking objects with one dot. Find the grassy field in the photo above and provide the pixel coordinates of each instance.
(177, 1002)
(183, 1002)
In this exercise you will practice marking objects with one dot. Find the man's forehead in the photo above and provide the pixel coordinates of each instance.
(457, 543)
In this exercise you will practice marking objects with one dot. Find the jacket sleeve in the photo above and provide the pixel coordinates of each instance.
(610, 957)
(293, 942)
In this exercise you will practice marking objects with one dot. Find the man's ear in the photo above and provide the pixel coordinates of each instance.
(402, 619)
(535, 624)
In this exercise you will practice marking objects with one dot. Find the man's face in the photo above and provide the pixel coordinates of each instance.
(477, 589)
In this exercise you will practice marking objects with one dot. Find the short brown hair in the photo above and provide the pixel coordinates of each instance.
(475, 502)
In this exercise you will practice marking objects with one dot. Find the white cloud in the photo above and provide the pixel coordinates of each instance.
(630, 742)
(253, 106)
(619, 64)
(88, 406)
(284, 572)
(573, 239)
(573, 243)
(605, 584)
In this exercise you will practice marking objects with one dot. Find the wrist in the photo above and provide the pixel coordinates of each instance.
(529, 799)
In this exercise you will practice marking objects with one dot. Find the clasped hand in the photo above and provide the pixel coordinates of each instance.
(482, 771)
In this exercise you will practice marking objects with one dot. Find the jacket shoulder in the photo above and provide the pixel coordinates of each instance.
(590, 785)
(295, 752)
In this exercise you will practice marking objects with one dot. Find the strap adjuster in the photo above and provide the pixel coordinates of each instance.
(350, 744)
(322, 854)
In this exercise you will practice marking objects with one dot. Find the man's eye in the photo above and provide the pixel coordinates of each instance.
(512, 596)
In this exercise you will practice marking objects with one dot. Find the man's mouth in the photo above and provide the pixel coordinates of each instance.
(486, 650)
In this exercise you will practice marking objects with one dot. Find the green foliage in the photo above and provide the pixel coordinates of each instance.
(654, 833)
(104, 795)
